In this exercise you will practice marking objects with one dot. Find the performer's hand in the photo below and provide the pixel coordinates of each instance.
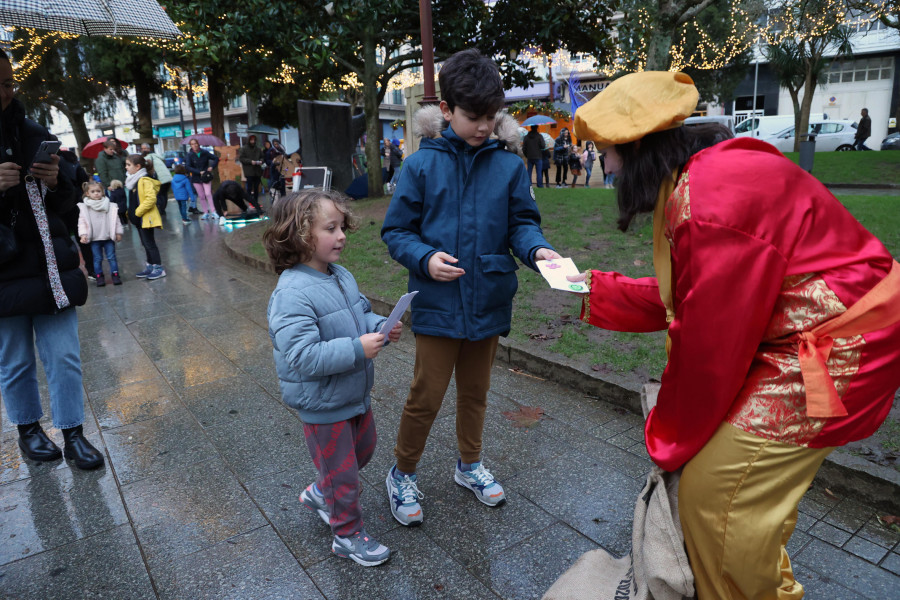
(83, 239)
(578, 279)
(440, 270)
(546, 254)
(118, 237)
(372, 344)
(394, 334)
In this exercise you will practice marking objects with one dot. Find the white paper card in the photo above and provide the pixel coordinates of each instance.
(399, 309)
(555, 271)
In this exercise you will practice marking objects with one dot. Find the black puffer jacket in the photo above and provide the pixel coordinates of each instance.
(24, 283)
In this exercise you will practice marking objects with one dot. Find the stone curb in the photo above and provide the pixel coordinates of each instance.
(842, 472)
(864, 186)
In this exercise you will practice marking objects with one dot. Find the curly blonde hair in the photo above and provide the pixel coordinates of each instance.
(288, 240)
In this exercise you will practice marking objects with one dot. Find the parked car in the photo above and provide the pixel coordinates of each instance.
(173, 157)
(891, 142)
(831, 135)
(767, 126)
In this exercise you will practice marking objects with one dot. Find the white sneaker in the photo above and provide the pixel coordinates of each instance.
(404, 496)
(222, 220)
(482, 484)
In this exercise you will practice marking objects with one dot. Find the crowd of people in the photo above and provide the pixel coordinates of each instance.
(568, 158)
(783, 318)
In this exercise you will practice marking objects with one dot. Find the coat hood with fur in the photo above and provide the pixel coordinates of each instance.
(429, 122)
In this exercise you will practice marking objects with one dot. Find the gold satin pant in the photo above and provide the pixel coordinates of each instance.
(737, 501)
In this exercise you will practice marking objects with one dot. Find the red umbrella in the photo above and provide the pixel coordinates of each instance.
(93, 148)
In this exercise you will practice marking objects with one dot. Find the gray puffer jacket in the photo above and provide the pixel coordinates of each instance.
(315, 322)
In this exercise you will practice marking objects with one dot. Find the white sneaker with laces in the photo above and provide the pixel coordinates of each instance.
(404, 496)
(482, 484)
(361, 549)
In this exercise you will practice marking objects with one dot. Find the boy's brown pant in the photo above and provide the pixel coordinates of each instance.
(436, 359)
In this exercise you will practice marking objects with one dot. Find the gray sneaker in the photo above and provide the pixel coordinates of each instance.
(482, 484)
(404, 496)
(314, 500)
(157, 272)
(360, 548)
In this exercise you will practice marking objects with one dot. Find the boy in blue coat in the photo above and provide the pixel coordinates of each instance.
(462, 202)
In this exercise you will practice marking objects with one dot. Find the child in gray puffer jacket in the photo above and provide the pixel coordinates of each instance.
(325, 336)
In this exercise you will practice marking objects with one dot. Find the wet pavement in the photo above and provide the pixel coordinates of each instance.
(198, 498)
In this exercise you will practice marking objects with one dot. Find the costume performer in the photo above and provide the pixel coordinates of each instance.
(783, 317)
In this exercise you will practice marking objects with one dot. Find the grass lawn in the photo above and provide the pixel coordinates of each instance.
(580, 223)
(855, 167)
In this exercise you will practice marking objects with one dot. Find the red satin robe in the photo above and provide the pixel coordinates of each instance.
(760, 251)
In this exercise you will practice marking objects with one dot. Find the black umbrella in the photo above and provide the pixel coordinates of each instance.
(90, 17)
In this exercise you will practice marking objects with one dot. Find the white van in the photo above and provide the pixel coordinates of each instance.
(766, 127)
(725, 120)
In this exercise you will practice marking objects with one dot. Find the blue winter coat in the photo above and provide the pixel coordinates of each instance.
(475, 204)
(315, 322)
(182, 188)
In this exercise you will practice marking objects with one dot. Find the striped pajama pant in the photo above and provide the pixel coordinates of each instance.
(339, 450)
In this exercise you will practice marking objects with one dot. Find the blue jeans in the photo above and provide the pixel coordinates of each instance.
(532, 164)
(587, 175)
(182, 206)
(861, 144)
(609, 178)
(101, 247)
(56, 337)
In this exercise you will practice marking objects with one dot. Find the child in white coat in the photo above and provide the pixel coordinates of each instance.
(99, 225)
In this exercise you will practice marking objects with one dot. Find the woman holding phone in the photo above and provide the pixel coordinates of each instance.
(40, 286)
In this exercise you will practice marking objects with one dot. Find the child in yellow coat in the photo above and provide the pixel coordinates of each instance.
(143, 212)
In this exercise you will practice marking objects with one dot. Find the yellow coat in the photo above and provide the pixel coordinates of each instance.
(147, 189)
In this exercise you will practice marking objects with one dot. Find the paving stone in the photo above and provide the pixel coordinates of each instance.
(798, 541)
(528, 569)
(804, 522)
(892, 563)
(157, 445)
(417, 569)
(829, 533)
(254, 565)
(822, 586)
(865, 549)
(847, 570)
(183, 511)
(599, 503)
(880, 534)
(58, 573)
(105, 340)
(134, 402)
(849, 515)
(169, 336)
(116, 372)
(229, 400)
(256, 445)
(185, 371)
(46, 512)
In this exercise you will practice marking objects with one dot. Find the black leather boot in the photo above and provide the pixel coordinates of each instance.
(80, 451)
(35, 444)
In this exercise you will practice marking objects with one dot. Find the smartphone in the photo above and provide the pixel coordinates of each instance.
(45, 150)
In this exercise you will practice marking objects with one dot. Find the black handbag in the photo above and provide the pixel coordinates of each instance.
(206, 177)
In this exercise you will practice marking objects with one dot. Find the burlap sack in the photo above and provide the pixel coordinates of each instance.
(656, 569)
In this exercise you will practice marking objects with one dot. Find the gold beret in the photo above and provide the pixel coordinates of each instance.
(635, 105)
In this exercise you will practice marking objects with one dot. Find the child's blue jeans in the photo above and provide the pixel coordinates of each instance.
(182, 206)
(101, 247)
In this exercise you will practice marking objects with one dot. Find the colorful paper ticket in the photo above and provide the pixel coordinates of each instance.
(555, 271)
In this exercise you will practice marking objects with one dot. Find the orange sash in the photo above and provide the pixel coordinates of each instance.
(878, 309)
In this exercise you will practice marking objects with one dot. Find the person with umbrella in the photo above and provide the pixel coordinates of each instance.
(41, 283)
(200, 164)
(109, 163)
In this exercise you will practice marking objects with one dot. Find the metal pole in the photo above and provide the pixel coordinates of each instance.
(755, 80)
(427, 52)
(550, 75)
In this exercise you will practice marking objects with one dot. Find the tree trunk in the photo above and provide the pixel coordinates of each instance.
(795, 101)
(192, 104)
(658, 47)
(79, 128)
(216, 94)
(144, 106)
(370, 104)
(809, 88)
